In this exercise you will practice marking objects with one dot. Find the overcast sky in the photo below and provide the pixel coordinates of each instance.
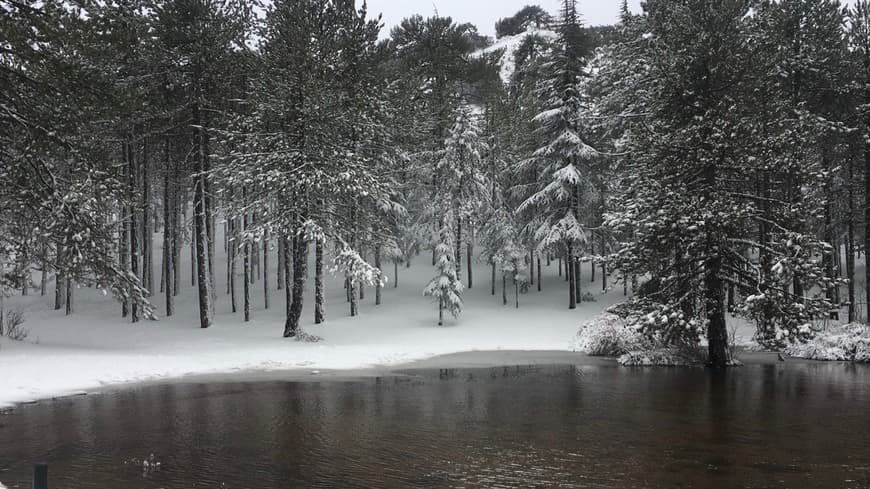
(484, 13)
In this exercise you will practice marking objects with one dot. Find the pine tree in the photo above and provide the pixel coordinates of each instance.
(564, 164)
(445, 287)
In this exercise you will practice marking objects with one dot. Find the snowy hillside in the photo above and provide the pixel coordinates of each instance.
(511, 44)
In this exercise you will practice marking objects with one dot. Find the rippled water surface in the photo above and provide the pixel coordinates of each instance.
(793, 425)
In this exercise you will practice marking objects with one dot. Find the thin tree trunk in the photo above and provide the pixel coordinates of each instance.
(69, 296)
(492, 282)
(265, 278)
(469, 255)
(539, 272)
(287, 275)
(459, 249)
(319, 316)
(440, 311)
(147, 230)
(571, 272)
(592, 251)
(395, 273)
(167, 238)
(247, 258)
(200, 224)
(378, 284)
(532, 268)
(850, 243)
(281, 266)
(503, 289)
(43, 282)
(134, 241)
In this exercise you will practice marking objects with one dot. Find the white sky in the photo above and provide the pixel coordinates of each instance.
(484, 13)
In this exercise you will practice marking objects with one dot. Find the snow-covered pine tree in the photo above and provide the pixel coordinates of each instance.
(563, 166)
(690, 208)
(445, 287)
(461, 180)
(859, 41)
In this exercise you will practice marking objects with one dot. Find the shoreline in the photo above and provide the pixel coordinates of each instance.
(477, 359)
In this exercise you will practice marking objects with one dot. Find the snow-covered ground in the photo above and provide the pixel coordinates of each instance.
(95, 347)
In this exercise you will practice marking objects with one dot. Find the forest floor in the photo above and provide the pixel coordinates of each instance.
(95, 348)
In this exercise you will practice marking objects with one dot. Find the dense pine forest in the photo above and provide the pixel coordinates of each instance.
(705, 159)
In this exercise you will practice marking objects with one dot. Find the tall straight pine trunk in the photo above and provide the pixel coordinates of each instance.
(200, 225)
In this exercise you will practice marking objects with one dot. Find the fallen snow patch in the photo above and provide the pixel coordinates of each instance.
(609, 335)
(849, 343)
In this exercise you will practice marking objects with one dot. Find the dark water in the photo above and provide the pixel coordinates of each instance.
(795, 426)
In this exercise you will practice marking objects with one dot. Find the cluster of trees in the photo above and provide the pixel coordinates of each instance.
(709, 151)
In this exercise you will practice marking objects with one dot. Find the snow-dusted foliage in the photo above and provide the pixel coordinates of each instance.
(849, 343)
(713, 192)
(611, 336)
(358, 271)
(665, 357)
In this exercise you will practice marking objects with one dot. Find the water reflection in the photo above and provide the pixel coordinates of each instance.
(795, 425)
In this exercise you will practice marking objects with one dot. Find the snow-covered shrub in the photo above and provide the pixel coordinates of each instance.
(10, 325)
(849, 343)
(306, 337)
(665, 357)
(609, 335)
(587, 297)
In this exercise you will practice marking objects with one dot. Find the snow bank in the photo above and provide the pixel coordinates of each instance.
(95, 347)
(609, 335)
(850, 343)
(2, 486)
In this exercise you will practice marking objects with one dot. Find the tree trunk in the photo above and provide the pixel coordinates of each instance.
(247, 258)
(571, 272)
(578, 280)
(516, 290)
(503, 289)
(281, 267)
(43, 282)
(287, 276)
(532, 268)
(200, 224)
(167, 237)
(493, 277)
(318, 282)
(395, 274)
(592, 251)
(300, 263)
(69, 296)
(850, 243)
(458, 260)
(539, 272)
(231, 269)
(209, 215)
(134, 241)
(265, 278)
(378, 284)
(469, 254)
(440, 311)
(147, 230)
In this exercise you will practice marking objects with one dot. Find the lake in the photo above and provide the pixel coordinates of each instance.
(790, 425)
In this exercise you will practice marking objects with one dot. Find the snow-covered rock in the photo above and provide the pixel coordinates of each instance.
(849, 343)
